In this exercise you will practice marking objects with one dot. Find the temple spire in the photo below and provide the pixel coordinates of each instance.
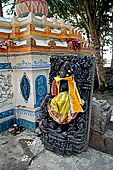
(38, 7)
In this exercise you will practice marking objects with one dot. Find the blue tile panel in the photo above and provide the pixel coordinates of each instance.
(7, 124)
(27, 124)
(6, 113)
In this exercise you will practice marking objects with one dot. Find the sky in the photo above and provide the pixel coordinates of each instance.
(107, 55)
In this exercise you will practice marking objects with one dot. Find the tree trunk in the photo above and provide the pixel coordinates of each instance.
(99, 61)
(1, 9)
(112, 46)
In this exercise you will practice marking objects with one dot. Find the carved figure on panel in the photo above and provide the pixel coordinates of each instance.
(5, 88)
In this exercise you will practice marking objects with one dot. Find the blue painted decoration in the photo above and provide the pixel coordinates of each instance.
(38, 64)
(7, 124)
(41, 89)
(25, 87)
(6, 113)
(27, 124)
(5, 66)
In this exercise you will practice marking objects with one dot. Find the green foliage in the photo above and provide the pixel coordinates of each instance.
(89, 15)
(11, 10)
(104, 61)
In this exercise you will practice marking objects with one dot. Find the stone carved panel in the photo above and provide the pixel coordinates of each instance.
(5, 88)
(70, 138)
(25, 87)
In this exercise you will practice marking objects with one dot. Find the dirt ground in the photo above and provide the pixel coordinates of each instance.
(106, 95)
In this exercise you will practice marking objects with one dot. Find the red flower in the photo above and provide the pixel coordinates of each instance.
(75, 43)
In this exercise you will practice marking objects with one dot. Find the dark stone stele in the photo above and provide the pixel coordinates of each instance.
(71, 138)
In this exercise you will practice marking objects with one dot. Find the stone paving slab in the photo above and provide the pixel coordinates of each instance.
(12, 156)
(90, 160)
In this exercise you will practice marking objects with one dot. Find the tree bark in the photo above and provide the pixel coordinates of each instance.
(1, 9)
(99, 61)
(112, 46)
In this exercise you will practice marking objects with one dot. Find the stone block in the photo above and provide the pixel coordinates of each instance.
(102, 142)
(101, 114)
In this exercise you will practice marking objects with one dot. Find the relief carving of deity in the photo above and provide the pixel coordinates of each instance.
(5, 88)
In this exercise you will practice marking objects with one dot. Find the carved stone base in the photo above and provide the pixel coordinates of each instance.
(67, 145)
(68, 139)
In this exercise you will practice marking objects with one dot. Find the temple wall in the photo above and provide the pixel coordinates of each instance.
(34, 68)
(7, 95)
(16, 107)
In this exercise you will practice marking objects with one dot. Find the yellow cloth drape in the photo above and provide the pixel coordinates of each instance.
(61, 104)
(64, 107)
(75, 99)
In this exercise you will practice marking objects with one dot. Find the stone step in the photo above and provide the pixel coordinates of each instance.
(106, 107)
(100, 116)
(111, 120)
(102, 142)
